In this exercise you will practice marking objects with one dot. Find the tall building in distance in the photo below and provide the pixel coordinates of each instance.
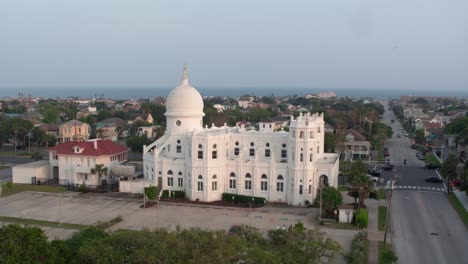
(205, 162)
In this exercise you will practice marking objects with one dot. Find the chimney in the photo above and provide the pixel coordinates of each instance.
(95, 144)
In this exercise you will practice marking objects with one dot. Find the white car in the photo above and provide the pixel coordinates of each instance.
(372, 178)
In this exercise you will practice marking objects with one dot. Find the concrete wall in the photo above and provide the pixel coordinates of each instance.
(133, 186)
(24, 172)
(343, 216)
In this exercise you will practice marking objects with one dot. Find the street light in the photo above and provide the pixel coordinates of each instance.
(389, 203)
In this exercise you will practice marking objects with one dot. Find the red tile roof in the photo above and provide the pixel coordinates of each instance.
(103, 148)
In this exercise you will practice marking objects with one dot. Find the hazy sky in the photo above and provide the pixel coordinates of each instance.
(416, 44)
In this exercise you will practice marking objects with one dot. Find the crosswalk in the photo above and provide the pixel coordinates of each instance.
(419, 188)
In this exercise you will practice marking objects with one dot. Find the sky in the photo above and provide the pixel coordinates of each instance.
(329, 44)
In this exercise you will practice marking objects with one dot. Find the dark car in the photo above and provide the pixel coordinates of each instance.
(414, 146)
(431, 166)
(374, 173)
(434, 179)
(388, 167)
(234, 229)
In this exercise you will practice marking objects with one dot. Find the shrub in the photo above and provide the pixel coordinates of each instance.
(242, 198)
(82, 188)
(359, 248)
(151, 192)
(361, 218)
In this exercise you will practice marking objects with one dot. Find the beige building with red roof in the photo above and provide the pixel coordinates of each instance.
(71, 162)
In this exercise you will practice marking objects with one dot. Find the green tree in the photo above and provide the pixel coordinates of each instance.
(330, 142)
(100, 170)
(449, 168)
(419, 137)
(331, 199)
(25, 245)
(457, 125)
(151, 192)
(363, 187)
(135, 143)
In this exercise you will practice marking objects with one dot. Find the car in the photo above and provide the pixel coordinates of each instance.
(372, 178)
(420, 156)
(386, 154)
(398, 136)
(405, 134)
(457, 182)
(431, 166)
(388, 167)
(413, 146)
(393, 121)
(434, 179)
(375, 173)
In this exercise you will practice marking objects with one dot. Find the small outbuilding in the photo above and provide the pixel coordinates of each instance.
(345, 213)
(24, 173)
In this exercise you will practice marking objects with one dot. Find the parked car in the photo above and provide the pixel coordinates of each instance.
(405, 134)
(457, 182)
(375, 173)
(393, 121)
(234, 229)
(388, 167)
(413, 146)
(434, 179)
(398, 136)
(431, 166)
(373, 179)
(420, 156)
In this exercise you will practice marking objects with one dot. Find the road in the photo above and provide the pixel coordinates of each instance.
(424, 226)
(6, 174)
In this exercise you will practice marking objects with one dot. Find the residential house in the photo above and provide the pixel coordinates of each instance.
(72, 162)
(110, 128)
(273, 124)
(73, 130)
(356, 146)
(146, 117)
(245, 101)
(149, 131)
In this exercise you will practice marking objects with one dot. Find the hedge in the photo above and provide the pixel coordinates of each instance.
(361, 218)
(174, 194)
(242, 198)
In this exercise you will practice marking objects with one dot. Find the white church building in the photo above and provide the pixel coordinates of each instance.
(205, 162)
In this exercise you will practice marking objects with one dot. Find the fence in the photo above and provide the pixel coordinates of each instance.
(113, 187)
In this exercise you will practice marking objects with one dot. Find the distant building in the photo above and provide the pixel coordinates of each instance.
(146, 117)
(321, 95)
(73, 130)
(245, 101)
(356, 146)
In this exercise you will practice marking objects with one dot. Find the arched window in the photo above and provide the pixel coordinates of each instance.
(200, 183)
(311, 154)
(180, 173)
(311, 134)
(301, 134)
(294, 134)
(232, 182)
(169, 172)
(248, 182)
(214, 183)
(280, 184)
(264, 183)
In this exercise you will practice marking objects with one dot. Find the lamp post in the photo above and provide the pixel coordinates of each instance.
(250, 210)
(159, 198)
(389, 204)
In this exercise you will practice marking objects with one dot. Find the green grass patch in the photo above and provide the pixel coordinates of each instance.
(381, 194)
(459, 208)
(107, 224)
(18, 187)
(382, 217)
(343, 188)
(15, 154)
(386, 254)
(4, 167)
(24, 221)
(336, 225)
(430, 158)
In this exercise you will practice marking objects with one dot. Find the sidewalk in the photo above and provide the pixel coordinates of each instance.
(373, 235)
(462, 197)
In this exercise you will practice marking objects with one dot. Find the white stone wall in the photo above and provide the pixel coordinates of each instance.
(24, 172)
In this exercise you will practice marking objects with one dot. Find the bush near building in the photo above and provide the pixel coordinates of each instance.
(359, 249)
(361, 218)
(242, 198)
(174, 194)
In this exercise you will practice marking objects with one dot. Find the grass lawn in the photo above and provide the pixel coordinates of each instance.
(17, 188)
(382, 217)
(386, 254)
(381, 194)
(459, 208)
(23, 221)
(15, 154)
(336, 225)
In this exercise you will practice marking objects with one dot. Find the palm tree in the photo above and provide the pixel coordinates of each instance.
(100, 170)
(363, 187)
(99, 132)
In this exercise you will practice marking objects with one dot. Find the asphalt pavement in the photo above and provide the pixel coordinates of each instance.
(424, 226)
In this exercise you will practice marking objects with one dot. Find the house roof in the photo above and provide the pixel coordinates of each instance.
(73, 123)
(90, 148)
(357, 136)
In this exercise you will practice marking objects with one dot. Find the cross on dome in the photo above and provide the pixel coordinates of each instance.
(185, 75)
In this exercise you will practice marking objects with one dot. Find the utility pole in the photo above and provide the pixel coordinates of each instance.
(390, 193)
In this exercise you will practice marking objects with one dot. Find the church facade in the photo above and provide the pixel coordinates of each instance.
(205, 162)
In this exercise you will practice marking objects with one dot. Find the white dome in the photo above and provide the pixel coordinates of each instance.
(184, 100)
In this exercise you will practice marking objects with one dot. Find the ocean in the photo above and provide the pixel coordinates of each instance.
(148, 92)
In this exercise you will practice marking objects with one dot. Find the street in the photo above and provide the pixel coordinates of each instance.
(6, 174)
(424, 226)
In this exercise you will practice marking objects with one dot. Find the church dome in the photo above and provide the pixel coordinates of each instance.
(184, 100)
